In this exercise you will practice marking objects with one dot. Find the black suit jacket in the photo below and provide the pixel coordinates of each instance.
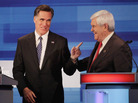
(116, 56)
(47, 82)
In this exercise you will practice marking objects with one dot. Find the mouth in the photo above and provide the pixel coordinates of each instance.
(43, 28)
(94, 34)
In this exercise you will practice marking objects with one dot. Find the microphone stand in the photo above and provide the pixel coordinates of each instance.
(128, 42)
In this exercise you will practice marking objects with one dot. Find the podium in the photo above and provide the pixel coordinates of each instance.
(6, 89)
(110, 87)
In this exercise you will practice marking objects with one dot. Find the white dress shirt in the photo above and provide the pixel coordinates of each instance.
(44, 44)
(104, 42)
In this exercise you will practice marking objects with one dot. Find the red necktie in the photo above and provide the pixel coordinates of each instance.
(96, 55)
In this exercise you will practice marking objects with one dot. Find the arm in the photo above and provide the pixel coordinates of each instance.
(68, 66)
(18, 69)
(18, 74)
(82, 64)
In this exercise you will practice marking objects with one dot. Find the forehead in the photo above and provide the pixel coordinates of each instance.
(44, 14)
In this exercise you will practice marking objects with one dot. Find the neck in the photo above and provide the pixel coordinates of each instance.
(106, 34)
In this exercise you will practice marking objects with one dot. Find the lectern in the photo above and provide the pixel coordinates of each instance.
(6, 89)
(110, 87)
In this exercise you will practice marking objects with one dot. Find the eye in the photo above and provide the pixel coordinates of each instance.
(49, 20)
(41, 19)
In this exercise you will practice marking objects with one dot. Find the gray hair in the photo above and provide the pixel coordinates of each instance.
(104, 16)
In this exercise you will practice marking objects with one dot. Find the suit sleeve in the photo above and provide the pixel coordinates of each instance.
(83, 64)
(123, 59)
(18, 69)
(68, 66)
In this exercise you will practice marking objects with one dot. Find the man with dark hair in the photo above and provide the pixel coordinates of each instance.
(39, 58)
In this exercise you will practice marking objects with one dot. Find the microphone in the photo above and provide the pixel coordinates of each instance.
(128, 42)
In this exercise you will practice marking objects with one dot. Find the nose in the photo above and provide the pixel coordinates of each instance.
(44, 23)
(47, 23)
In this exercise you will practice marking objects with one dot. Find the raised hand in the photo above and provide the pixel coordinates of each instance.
(75, 51)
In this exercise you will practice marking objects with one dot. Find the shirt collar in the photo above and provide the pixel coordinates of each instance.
(43, 36)
(107, 39)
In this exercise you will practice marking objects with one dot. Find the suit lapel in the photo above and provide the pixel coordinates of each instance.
(32, 47)
(92, 54)
(50, 45)
(104, 52)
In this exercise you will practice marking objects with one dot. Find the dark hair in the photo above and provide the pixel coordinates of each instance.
(43, 8)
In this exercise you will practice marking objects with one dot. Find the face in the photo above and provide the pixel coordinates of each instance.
(42, 22)
(97, 30)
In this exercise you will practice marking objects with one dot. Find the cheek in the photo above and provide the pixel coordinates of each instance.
(38, 24)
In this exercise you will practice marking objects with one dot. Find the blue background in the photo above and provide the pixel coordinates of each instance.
(71, 20)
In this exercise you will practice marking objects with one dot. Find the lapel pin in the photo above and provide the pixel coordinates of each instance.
(104, 51)
(52, 42)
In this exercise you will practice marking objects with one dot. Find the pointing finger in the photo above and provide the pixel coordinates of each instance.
(79, 45)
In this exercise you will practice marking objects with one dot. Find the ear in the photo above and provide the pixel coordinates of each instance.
(106, 26)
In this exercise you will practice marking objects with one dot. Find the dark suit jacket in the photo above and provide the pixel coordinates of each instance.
(47, 82)
(116, 56)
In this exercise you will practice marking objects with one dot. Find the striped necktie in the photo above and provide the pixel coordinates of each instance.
(39, 49)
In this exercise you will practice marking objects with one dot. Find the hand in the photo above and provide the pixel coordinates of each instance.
(29, 95)
(75, 51)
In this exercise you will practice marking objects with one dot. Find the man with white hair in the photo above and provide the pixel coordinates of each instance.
(111, 53)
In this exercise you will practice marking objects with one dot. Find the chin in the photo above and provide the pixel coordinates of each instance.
(95, 38)
(42, 33)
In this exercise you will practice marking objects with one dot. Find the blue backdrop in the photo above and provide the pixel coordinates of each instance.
(71, 20)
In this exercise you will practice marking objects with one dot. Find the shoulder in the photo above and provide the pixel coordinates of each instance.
(117, 41)
(59, 41)
(27, 36)
(56, 35)
(119, 44)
